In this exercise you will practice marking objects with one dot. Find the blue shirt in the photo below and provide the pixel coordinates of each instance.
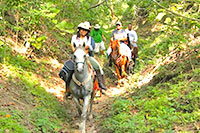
(119, 34)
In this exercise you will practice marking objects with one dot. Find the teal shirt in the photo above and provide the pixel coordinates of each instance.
(97, 35)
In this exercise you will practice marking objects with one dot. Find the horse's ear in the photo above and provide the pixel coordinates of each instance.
(85, 56)
(73, 57)
(84, 44)
(74, 45)
(111, 40)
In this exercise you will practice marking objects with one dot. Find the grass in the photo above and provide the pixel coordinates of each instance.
(32, 108)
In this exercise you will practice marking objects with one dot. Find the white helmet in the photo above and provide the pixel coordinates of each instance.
(119, 23)
(80, 25)
(97, 26)
(85, 25)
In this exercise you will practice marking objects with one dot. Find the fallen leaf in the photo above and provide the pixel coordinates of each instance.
(8, 115)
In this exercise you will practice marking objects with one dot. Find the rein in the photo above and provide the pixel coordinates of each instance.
(80, 83)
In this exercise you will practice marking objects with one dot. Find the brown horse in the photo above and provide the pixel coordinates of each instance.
(121, 62)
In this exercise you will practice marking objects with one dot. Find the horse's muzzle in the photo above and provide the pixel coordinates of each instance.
(80, 66)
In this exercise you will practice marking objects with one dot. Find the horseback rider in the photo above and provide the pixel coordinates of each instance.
(132, 39)
(80, 39)
(120, 35)
(98, 36)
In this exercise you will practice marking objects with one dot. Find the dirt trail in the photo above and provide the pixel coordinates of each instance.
(101, 109)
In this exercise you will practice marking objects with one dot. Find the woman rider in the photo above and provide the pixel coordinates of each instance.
(83, 37)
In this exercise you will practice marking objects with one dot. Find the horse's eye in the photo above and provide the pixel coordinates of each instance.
(84, 56)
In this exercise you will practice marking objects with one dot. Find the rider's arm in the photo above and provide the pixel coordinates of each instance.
(135, 37)
(104, 38)
(72, 43)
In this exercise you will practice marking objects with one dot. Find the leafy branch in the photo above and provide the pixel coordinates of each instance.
(97, 5)
(174, 13)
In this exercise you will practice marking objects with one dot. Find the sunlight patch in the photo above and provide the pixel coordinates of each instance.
(58, 92)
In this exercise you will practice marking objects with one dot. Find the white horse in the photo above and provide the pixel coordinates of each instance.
(82, 85)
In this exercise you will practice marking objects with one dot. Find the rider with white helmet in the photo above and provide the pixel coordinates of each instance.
(82, 38)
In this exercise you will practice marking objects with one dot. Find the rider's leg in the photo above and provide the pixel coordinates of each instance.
(134, 56)
(135, 50)
(96, 50)
(101, 80)
(99, 72)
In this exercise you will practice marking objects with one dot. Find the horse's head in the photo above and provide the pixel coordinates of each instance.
(114, 44)
(79, 57)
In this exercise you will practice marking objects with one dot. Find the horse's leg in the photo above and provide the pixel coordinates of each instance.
(91, 103)
(76, 100)
(84, 113)
(123, 66)
(127, 66)
(118, 73)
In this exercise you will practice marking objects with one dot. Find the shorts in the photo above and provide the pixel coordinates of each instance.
(99, 46)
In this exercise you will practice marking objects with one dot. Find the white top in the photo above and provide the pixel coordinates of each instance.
(79, 42)
(132, 35)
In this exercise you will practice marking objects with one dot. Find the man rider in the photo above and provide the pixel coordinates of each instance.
(132, 39)
(120, 35)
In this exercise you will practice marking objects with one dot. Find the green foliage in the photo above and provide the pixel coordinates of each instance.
(11, 123)
(5, 52)
(170, 100)
(47, 114)
(44, 120)
(66, 27)
(37, 41)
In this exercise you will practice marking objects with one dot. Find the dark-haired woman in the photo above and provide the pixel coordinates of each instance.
(82, 38)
